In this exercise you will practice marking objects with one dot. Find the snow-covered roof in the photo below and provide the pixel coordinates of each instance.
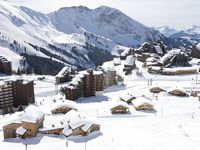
(97, 72)
(21, 131)
(176, 88)
(109, 69)
(117, 60)
(130, 60)
(70, 115)
(76, 122)
(66, 103)
(32, 114)
(158, 49)
(67, 131)
(63, 71)
(155, 87)
(179, 69)
(151, 59)
(125, 52)
(118, 103)
(139, 101)
(170, 54)
(88, 123)
(126, 97)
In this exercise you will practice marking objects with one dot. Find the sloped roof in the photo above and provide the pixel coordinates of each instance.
(126, 97)
(130, 60)
(76, 122)
(141, 101)
(70, 115)
(66, 103)
(32, 114)
(63, 71)
(118, 103)
(67, 131)
(21, 131)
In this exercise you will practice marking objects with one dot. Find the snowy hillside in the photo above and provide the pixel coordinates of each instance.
(26, 33)
(104, 21)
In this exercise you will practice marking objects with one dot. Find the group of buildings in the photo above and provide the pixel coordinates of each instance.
(5, 66)
(90, 83)
(27, 125)
(15, 93)
(30, 123)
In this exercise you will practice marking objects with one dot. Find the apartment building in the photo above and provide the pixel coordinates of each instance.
(15, 93)
(85, 84)
(5, 66)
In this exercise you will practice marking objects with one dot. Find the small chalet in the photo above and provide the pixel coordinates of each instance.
(27, 125)
(64, 107)
(119, 107)
(156, 89)
(176, 91)
(127, 98)
(142, 103)
(80, 127)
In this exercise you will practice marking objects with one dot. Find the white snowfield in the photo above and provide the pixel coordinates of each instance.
(174, 125)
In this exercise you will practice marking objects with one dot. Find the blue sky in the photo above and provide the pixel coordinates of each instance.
(176, 13)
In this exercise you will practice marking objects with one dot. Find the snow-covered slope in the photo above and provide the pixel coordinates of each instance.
(25, 31)
(75, 36)
(104, 21)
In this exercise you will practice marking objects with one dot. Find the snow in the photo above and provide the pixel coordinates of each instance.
(76, 122)
(179, 69)
(175, 125)
(66, 103)
(117, 61)
(126, 97)
(63, 71)
(67, 131)
(11, 56)
(72, 114)
(32, 114)
(118, 103)
(140, 101)
(130, 60)
(20, 131)
(158, 49)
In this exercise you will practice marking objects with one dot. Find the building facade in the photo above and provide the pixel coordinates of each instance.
(86, 84)
(15, 93)
(65, 75)
(110, 77)
(5, 66)
(27, 125)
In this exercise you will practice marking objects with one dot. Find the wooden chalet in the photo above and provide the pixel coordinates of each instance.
(119, 107)
(142, 103)
(177, 92)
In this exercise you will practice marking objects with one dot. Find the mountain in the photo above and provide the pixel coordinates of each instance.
(75, 36)
(166, 30)
(185, 38)
(104, 21)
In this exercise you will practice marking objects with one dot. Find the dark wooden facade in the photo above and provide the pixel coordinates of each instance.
(16, 93)
(5, 65)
